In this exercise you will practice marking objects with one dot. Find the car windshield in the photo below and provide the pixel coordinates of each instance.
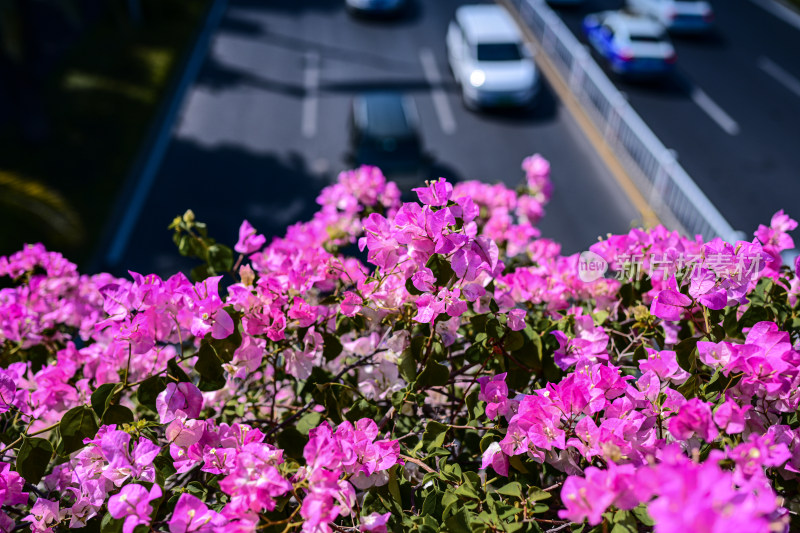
(647, 38)
(385, 115)
(499, 52)
(389, 149)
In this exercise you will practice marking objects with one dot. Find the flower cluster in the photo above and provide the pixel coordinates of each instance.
(299, 388)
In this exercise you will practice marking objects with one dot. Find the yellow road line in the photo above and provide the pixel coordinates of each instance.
(559, 85)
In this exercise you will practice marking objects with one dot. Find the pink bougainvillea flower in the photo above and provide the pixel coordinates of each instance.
(516, 319)
(436, 194)
(249, 241)
(44, 515)
(375, 523)
(8, 390)
(192, 515)
(693, 418)
(715, 354)
(351, 303)
(670, 304)
(133, 504)
(176, 397)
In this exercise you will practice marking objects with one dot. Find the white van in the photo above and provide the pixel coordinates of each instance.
(489, 60)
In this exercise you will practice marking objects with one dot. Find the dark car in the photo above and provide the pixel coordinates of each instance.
(384, 132)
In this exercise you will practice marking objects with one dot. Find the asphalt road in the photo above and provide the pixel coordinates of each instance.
(263, 128)
(731, 110)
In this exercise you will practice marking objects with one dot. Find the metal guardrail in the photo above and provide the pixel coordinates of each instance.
(671, 192)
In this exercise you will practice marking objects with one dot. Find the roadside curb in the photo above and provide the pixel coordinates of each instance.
(585, 123)
(133, 195)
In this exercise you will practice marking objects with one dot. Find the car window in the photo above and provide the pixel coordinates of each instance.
(400, 148)
(647, 38)
(608, 30)
(498, 52)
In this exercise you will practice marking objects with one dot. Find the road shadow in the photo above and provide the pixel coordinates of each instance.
(366, 86)
(222, 185)
(328, 51)
(710, 39)
(218, 76)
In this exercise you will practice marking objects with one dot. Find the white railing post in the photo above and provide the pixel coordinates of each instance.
(617, 107)
(578, 71)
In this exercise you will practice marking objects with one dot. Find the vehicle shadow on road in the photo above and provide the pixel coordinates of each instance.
(674, 86)
(710, 39)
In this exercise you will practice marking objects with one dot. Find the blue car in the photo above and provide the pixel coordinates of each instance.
(632, 45)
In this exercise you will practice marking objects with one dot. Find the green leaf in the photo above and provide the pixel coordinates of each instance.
(407, 366)
(536, 494)
(117, 414)
(33, 458)
(164, 464)
(111, 524)
(308, 422)
(77, 424)
(513, 489)
(685, 351)
(459, 522)
(226, 348)
(332, 404)
(220, 258)
(754, 315)
(175, 372)
(467, 491)
(101, 398)
(514, 340)
(641, 514)
(201, 272)
(600, 317)
(434, 374)
(209, 366)
(690, 388)
(361, 409)
(411, 288)
(331, 347)
(639, 354)
(441, 269)
(149, 390)
(430, 503)
(479, 323)
(473, 405)
(434, 434)
(530, 354)
(394, 487)
(495, 329)
(731, 322)
(623, 522)
(292, 442)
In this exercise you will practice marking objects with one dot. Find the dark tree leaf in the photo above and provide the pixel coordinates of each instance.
(33, 458)
(79, 423)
